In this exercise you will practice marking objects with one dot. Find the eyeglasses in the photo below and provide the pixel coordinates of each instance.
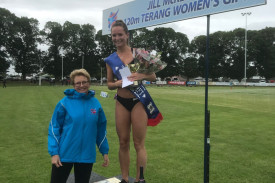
(83, 83)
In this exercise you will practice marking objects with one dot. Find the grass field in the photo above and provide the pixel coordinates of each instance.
(242, 134)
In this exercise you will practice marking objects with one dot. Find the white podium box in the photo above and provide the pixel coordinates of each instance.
(110, 180)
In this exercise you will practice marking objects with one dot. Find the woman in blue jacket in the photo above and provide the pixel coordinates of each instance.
(78, 124)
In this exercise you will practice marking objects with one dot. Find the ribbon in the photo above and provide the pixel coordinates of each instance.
(154, 116)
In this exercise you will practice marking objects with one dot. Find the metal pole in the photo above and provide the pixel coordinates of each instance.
(40, 80)
(245, 49)
(62, 68)
(101, 81)
(40, 74)
(207, 113)
(245, 44)
(82, 61)
(39, 71)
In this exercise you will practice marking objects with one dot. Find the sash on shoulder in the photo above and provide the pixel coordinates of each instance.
(154, 116)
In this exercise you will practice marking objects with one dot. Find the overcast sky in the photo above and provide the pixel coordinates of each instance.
(90, 11)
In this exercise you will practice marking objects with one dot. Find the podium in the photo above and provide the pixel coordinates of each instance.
(96, 178)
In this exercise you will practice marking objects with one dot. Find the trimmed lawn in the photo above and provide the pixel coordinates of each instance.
(242, 132)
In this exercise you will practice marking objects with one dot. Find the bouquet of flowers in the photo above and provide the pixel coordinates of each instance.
(146, 62)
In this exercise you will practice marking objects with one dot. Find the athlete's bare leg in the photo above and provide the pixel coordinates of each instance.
(123, 127)
(139, 125)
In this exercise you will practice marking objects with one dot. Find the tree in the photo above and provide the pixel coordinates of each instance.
(220, 49)
(105, 44)
(265, 52)
(219, 54)
(81, 48)
(53, 37)
(105, 48)
(4, 64)
(237, 56)
(197, 49)
(142, 38)
(22, 47)
(190, 68)
(74, 44)
(251, 69)
(173, 46)
(6, 22)
(88, 46)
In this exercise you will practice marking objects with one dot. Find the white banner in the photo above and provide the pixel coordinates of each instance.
(144, 13)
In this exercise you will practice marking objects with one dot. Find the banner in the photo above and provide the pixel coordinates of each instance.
(144, 13)
(176, 82)
(104, 94)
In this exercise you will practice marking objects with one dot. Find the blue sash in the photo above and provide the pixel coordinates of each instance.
(154, 116)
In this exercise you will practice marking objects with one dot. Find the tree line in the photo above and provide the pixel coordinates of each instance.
(31, 50)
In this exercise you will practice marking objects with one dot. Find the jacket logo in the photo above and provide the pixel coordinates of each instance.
(93, 111)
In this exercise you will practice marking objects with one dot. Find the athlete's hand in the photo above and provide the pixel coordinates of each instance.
(118, 83)
(56, 161)
(136, 76)
(105, 160)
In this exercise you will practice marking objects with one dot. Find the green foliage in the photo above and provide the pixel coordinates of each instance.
(75, 44)
(142, 38)
(4, 65)
(241, 123)
(105, 48)
(54, 37)
(227, 53)
(105, 44)
(190, 68)
(197, 50)
(23, 45)
(6, 21)
(265, 45)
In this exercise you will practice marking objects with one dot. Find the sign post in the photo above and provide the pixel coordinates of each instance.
(207, 112)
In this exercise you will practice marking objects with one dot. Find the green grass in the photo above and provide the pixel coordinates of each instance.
(242, 134)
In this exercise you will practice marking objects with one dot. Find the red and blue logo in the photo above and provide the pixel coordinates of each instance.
(93, 111)
(112, 18)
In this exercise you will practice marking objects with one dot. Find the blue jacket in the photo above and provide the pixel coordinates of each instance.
(78, 124)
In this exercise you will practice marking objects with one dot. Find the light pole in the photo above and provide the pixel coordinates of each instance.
(61, 52)
(82, 61)
(101, 81)
(40, 73)
(62, 67)
(245, 44)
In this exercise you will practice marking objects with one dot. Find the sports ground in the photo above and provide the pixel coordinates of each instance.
(242, 131)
